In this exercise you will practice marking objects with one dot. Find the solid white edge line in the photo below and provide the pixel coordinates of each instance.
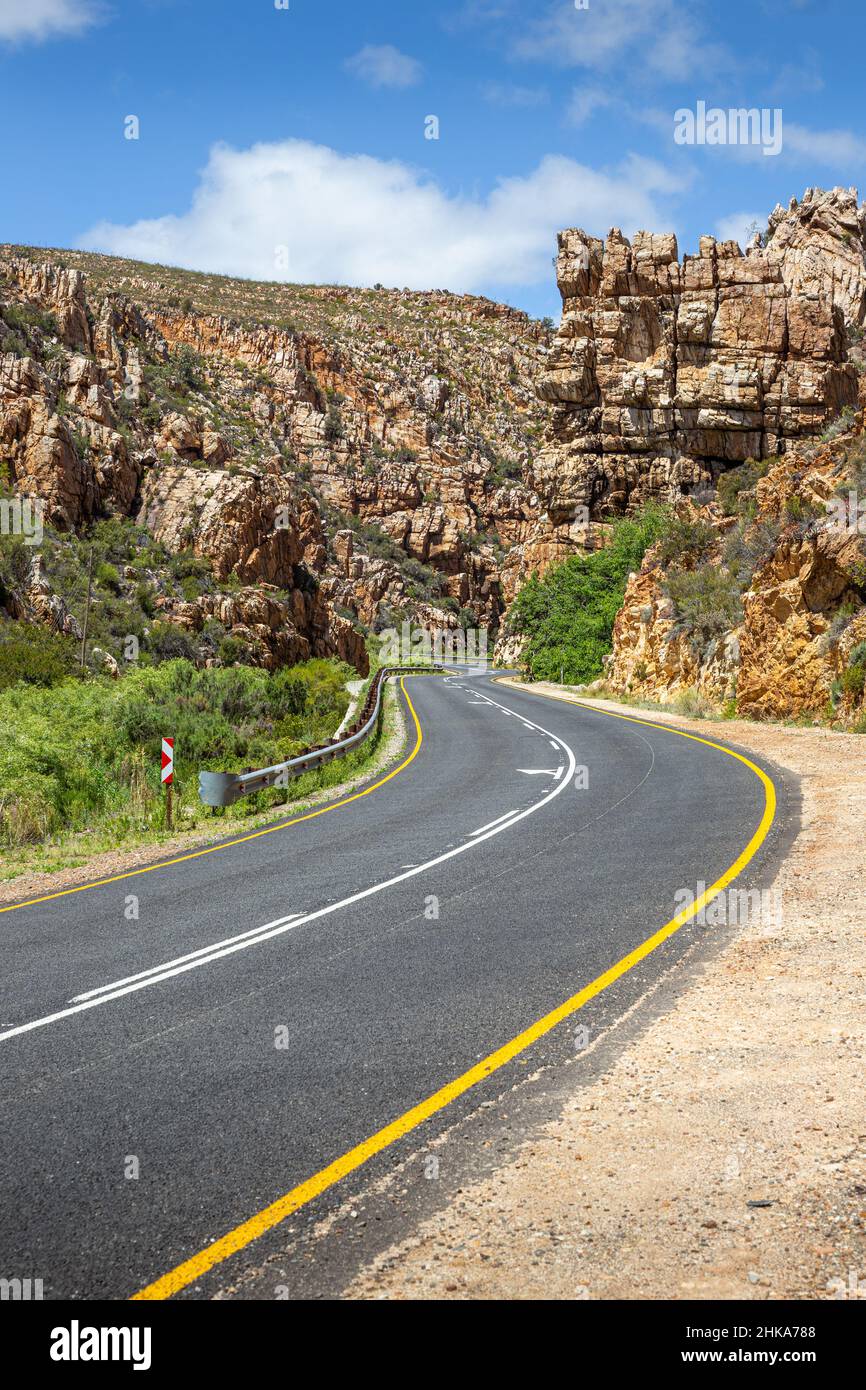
(266, 934)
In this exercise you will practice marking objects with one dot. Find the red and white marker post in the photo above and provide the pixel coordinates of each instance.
(168, 775)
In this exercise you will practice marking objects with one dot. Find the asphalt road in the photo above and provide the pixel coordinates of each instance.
(385, 948)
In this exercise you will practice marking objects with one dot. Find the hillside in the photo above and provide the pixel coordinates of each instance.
(264, 473)
(727, 386)
(272, 469)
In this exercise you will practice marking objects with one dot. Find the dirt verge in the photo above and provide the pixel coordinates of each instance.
(724, 1154)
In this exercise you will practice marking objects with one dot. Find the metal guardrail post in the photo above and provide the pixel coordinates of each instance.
(225, 788)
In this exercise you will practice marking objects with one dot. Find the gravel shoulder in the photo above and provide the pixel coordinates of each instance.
(749, 1090)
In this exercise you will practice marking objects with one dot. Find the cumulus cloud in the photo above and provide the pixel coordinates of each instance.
(835, 148)
(383, 65)
(670, 41)
(299, 211)
(44, 19)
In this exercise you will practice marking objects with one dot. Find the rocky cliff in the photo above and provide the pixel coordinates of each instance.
(360, 455)
(665, 372)
(297, 465)
(712, 384)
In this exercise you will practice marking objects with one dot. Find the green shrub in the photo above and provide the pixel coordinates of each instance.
(567, 617)
(797, 509)
(168, 642)
(334, 430)
(842, 423)
(108, 577)
(78, 753)
(231, 649)
(685, 535)
(748, 547)
(34, 655)
(853, 681)
(692, 704)
(706, 600)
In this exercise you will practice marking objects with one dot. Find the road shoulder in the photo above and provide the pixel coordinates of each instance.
(745, 1090)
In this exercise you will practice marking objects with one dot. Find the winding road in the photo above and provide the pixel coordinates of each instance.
(192, 1054)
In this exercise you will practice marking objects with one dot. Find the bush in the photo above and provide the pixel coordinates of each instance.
(34, 655)
(108, 577)
(685, 535)
(334, 430)
(168, 642)
(77, 752)
(843, 422)
(748, 548)
(706, 600)
(568, 616)
(797, 509)
(853, 680)
(738, 480)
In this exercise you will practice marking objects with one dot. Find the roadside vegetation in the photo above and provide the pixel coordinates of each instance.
(567, 617)
(80, 759)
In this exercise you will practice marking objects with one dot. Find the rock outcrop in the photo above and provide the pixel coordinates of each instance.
(803, 609)
(665, 372)
(251, 426)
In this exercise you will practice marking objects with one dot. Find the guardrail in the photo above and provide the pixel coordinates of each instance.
(225, 788)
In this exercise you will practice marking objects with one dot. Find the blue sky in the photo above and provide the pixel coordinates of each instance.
(290, 142)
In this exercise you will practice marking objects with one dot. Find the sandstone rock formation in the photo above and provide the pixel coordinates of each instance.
(253, 426)
(664, 373)
(804, 611)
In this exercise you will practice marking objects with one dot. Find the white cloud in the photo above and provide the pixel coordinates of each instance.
(837, 148)
(357, 220)
(43, 19)
(383, 65)
(584, 103)
(739, 226)
(510, 94)
(668, 40)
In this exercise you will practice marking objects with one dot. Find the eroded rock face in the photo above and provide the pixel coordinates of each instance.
(246, 524)
(665, 372)
(409, 414)
(37, 448)
(803, 613)
(275, 630)
(61, 292)
(786, 664)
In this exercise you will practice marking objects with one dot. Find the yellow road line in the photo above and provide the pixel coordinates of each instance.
(241, 840)
(198, 1265)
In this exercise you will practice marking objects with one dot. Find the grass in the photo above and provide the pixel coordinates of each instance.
(83, 756)
(197, 825)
